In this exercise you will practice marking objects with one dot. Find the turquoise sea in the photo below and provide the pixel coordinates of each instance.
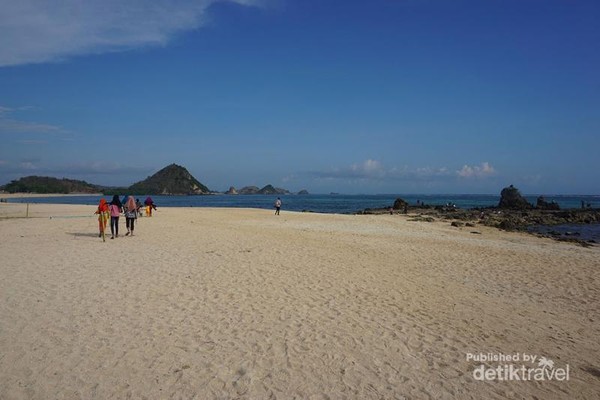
(329, 203)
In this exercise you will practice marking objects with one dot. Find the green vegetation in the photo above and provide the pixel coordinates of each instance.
(172, 179)
(45, 184)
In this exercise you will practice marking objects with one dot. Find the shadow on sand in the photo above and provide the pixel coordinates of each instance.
(83, 234)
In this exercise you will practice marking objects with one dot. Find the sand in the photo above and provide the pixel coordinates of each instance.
(238, 303)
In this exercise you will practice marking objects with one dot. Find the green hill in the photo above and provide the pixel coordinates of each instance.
(267, 190)
(46, 184)
(173, 179)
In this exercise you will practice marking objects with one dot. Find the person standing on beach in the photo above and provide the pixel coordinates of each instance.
(277, 206)
(103, 214)
(115, 211)
(149, 203)
(130, 215)
(138, 204)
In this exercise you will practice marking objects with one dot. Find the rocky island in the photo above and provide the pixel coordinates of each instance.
(266, 190)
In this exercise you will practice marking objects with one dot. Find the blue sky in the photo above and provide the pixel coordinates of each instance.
(381, 96)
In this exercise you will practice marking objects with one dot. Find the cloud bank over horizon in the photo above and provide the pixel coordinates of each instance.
(376, 170)
(38, 31)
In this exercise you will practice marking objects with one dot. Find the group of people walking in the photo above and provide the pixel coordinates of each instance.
(113, 210)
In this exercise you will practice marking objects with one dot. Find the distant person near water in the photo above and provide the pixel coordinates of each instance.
(138, 205)
(103, 216)
(277, 206)
(149, 206)
(131, 211)
(115, 211)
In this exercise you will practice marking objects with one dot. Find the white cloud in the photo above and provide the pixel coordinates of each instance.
(369, 168)
(29, 142)
(11, 125)
(38, 31)
(28, 166)
(477, 171)
(375, 170)
(15, 126)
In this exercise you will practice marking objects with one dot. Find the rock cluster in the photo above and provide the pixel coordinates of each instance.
(542, 204)
(510, 198)
(400, 204)
(513, 213)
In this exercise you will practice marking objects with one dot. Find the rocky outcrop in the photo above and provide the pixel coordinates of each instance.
(542, 204)
(510, 198)
(400, 204)
(231, 191)
(303, 192)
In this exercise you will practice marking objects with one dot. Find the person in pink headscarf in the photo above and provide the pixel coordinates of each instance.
(130, 215)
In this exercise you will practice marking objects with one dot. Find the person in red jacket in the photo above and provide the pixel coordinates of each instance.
(103, 216)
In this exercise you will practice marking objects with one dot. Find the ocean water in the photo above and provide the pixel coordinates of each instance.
(330, 203)
(589, 232)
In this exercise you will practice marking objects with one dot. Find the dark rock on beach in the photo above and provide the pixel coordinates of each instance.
(400, 204)
(542, 204)
(511, 198)
(513, 213)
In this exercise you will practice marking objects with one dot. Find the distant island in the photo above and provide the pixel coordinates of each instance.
(267, 190)
(46, 184)
(171, 180)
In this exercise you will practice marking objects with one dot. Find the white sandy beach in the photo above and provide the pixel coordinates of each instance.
(237, 303)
